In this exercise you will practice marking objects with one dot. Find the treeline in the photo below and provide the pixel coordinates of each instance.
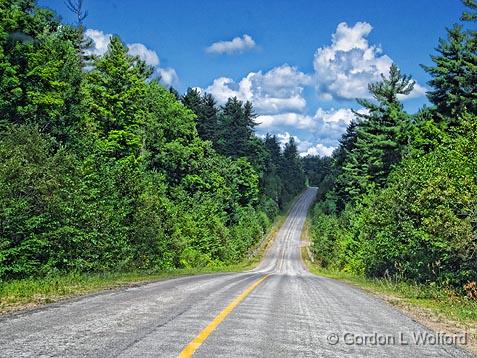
(102, 168)
(398, 198)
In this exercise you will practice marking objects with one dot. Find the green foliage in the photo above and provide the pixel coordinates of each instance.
(399, 199)
(422, 226)
(374, 145)
(291, 170)
(115, 91)
(40, 73)
(230, 129)
(102, 169)
(454, 75)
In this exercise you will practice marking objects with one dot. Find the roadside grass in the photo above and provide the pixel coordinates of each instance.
(438, 308)
(29, 293)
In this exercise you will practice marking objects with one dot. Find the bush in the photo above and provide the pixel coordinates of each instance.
(421, 227)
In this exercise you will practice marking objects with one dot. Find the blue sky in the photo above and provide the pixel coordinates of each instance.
(302, 63)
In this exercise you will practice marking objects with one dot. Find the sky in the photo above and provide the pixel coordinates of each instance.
(302, 63)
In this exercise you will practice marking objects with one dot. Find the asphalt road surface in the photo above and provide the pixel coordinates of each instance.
(277, 310)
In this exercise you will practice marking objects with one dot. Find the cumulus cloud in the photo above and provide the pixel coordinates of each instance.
(275, 91)
(236, 45)
(318, 149)
(418, 91)
(297, 120)
(145, 54)
(346, 67)
(331, 124)
(325, 128)
(100, 41)
(305, 147)
(285, 137)
(168, 76)
(100, 46)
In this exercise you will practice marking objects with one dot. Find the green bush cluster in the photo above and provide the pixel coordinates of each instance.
(420, 227)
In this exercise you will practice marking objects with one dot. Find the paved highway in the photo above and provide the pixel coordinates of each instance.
(277, 310)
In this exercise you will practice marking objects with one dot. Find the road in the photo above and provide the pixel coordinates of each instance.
(277, 310)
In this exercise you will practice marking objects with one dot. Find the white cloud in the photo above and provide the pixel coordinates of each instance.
(236, 45)
(274, 91)
(305, 147)
(346, 67)
(145, 54)
(289, 119)
(325, 128)
(418, 91)
(168, 76)
(100, 46)
(330, 125)
(318, 149)
(100, 41)
(223, 87)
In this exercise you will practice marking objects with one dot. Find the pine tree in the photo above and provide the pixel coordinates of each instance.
(454, 76)
(115, 91)
(467, 16)
(236, 128)
(271, 182)
(192, 101)
(292, 174)
(380, 136)
(207, 123)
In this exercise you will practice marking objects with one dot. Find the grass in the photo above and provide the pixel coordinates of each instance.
(30, 293)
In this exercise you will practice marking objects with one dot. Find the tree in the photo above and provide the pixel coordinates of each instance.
(237, 124)
(467, 16)
(205, 108)
(292, 174)
(115, 91)
(82, 42)
(76, 7)
(454, 76)
(380, 136)
(207, 122)
(40, 71)
(193, 101)
(270, 181)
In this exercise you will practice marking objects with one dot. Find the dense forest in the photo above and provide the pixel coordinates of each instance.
(104, 169)
(398, 198)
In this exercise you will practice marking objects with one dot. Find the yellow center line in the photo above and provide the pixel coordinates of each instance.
(202, 336)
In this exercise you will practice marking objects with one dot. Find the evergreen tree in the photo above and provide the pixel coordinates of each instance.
(292, 174)
(175, 93)
(468, 16)
(454, 76)
(380, 137)
(207, 123)
(192, 100)
(271, 181)
(236, 128)
(115, 91)
(206, 110)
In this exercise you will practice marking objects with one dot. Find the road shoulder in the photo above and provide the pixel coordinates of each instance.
(437, 315)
